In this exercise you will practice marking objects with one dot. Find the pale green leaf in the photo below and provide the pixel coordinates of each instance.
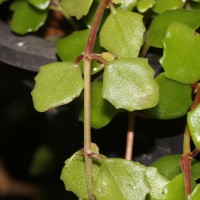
(27, 19)
(174, 99)
(73, 174)
(195, 194)
(40, 4)
(160, 23)
(77, 8)
(56, 84)
(193, 120)
(102, 112)
(181, 54)
(130, 84)
(156, 182)
(163, 5)
(119, 179)
(144, 5)
(127, 4)
(122, 33)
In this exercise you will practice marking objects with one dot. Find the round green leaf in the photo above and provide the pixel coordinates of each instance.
(119, 179)
(160, 23)
(56, 84)
(128, 83)
(193, 120)
(27, 19)
(73, 174)
(174, 99)
(77, 8)
(181, 53)
(122, 33)
(176, 189)
(102, 112)
(195, 194)
(40, 4)
(163, 5)
(144, 5)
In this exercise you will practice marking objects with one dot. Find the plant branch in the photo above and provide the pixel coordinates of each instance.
(187, 155)
(87, 58)
(95, 27)
(130, 136)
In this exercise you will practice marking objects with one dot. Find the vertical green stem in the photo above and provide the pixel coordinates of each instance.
(87, 96)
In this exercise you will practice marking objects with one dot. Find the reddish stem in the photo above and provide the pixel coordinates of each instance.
(94, 27)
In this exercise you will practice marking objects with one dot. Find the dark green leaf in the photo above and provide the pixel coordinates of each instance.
(144, 5)
(122, 33)
(182, 47)
(77, 8)
(40, 4)
(163, 5)
(174, 99)
(193, 120)
(160, 23)
(42, 161)
(73, 174)
(119, 179)
(168, 166)
(27, 19)
(195, 194)
(102, 111)
(70, 47)
(56, 84)
(129, 84)
(175, 190)
(2, 1)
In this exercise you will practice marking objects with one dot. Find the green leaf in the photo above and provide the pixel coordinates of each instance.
(174, 99)
(2, 1)
(163, 5)
(70, 47)
(56, 84)
(160, 23)
(31, 17)
(195, 169)
(195, 194)
(122, 33)
(193, 120)
(182, 47)
(120, 179)
(77, 8)
(73, 174)
(127, 4)
(16, 5)
(168, 166)
(144, 5)
(40, 4)
(102, 112)
(128, 83)
(42, 161)
(156, 182)
(176, 189)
